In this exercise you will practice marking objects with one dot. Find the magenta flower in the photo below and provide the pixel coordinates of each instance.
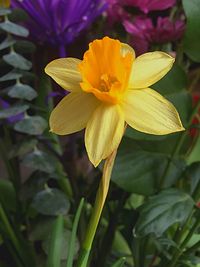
(144, 33)
(116, 12)
(150, 5)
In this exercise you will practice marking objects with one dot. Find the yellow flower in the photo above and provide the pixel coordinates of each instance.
(108, 88)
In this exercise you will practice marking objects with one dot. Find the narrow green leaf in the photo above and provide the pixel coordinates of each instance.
(120, 262)
(163, 210)
(54, 255)
(71, 251)
(17, 61)
(14, 28)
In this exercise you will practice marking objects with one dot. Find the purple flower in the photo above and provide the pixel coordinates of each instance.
(144, 33)
(59, 22)
(150, 5)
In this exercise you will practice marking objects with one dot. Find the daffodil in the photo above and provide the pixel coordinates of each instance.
(108, 89)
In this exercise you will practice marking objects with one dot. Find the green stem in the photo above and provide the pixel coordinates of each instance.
(9, 230)
(193, 248)
(182, 231)
(97, 210)
(179, 252)
(196, 192)
(109, 235)
(136, 251)
(9, 166)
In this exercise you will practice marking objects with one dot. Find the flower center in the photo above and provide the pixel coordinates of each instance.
(107, 82)
(105, 70)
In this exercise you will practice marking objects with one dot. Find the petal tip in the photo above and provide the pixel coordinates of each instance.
(95, 162)
(182, 129)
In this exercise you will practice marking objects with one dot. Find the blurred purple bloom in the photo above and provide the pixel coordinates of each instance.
(59, 22)
(4, 104)
(150, 5)
(144, 33)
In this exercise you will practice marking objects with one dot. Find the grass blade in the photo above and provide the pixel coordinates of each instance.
(73, 235)
(54, 255)
(119, 263)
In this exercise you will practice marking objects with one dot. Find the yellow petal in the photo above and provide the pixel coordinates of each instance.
(147, 111)
(104, 132)
(65, 72)
(72, 113)
(149, 68)
(125, 48)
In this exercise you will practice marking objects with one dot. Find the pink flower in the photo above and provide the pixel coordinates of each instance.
(116, 12)
(150, 5)
(144, 33)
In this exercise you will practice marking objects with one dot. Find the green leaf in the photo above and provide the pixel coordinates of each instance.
(139, 171)
(12, 75)
(72, 243)
(183, 103)
(7, 195)
(9, 41)
(12, 111)
(41, 161)
(33, 125)
(54, 254)
(51, 202)
(22, 148)
(17, 61)
(191, 43)
(41, 229)
(136, 135)
(14, 28)
(23, 46)
(175, 81)
(163, 210)
(34, 184)
(121, 247)
(120, 262)
(194, 155)
(193, 174)
(22, 91)
(64, 245)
